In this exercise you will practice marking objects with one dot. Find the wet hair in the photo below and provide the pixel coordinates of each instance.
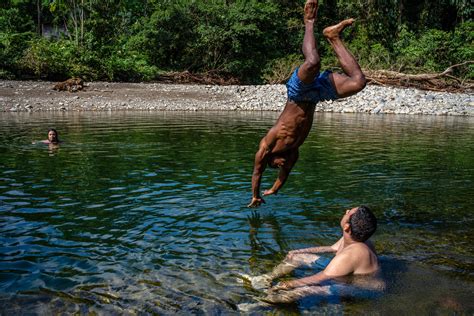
(363, 224)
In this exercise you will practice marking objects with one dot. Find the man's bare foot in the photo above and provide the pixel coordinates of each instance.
(333, 31)
(310, 11)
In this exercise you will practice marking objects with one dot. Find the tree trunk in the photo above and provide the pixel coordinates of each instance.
(74, 21)
(400, 12)
(38, 10)
(82, 21)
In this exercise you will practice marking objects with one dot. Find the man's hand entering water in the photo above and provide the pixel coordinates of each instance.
(256, 201)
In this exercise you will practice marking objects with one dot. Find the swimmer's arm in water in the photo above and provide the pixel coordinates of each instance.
(311, 280)
(40, 142)
(261, 160)
(320, 249)
(285, 170)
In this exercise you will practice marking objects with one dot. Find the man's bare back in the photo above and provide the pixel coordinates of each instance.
(291, 128)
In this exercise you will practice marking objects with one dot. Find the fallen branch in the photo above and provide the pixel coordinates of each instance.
(436, 81)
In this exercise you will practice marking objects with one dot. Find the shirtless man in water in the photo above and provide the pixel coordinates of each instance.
(306, 87)
(354, 255)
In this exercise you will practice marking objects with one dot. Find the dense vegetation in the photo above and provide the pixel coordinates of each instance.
(252, 41)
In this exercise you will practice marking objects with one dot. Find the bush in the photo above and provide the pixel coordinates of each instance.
(361, 47)
(132, 67)
(6, 75)
(428, 52)
(369, 54)
(236, 38)
(15, 32)
(279, 70)
(435, 50)
(379, 58)
(49, 59)
(463, 49)
(56, 60)
(250, 40)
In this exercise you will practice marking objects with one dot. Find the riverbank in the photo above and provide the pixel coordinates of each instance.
(34, 96)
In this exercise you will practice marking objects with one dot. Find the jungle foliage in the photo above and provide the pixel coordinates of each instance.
(248, 40)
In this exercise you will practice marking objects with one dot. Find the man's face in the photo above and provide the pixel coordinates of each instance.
(345, 219)
(52, 137)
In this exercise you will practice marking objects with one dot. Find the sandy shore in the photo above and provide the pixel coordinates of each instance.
(33, 96)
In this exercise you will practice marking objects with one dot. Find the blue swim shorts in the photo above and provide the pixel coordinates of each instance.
(321, 89)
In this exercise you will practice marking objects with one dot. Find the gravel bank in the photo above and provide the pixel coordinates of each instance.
(33, 96)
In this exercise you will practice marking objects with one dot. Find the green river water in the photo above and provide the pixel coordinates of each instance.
(145, 212)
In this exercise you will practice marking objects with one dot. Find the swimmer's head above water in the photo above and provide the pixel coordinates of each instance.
(359, 222)
(53, 137)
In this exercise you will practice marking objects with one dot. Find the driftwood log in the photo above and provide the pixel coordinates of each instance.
(443, 81)
(72, 85)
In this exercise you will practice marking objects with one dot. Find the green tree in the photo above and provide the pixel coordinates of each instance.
(137, 39)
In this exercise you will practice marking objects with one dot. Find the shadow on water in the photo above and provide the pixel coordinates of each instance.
(414, 289)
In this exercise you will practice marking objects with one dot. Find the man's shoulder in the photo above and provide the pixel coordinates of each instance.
(354, 258)
(361, 248)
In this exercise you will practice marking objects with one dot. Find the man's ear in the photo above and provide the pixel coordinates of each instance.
(347, 228)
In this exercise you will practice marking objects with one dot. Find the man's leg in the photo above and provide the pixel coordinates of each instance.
(284, 268)
(311, 66)
(296, 261)
(290, 296)
(353, 80)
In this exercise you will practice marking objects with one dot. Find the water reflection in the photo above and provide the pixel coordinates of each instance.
(146, 211)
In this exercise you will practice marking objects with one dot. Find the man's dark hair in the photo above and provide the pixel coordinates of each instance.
(363, 224)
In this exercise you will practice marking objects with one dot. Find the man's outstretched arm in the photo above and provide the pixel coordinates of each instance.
(261, 159)
(314, 250)
(311, 280)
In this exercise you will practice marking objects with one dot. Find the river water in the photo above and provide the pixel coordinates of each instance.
(146, 211)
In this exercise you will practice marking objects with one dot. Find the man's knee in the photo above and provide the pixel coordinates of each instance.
(359, 82)
(313, 63)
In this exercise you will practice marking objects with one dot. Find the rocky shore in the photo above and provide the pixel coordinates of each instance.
(34, 96)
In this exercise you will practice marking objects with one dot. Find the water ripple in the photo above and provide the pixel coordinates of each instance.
(146, 212)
